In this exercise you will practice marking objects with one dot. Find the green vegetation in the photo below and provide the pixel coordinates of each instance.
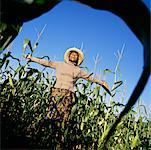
(24, 98)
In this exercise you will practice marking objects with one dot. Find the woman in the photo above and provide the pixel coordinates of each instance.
(67, 73)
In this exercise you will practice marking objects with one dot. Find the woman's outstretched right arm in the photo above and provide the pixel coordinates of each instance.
(41, 61)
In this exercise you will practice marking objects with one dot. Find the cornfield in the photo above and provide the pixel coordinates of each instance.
(24, 98)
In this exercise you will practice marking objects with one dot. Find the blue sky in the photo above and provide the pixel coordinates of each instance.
(71, 24)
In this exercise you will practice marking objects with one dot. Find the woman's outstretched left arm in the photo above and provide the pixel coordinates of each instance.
(89, 77)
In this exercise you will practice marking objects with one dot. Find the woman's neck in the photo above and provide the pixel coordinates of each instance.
(72, 63)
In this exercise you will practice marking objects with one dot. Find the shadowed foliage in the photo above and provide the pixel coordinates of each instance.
(25, 94)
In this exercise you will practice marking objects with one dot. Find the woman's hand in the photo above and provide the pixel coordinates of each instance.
(28, 57)
(105, 84)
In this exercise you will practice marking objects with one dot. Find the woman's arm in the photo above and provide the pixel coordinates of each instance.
(42, 61)
(89, 77)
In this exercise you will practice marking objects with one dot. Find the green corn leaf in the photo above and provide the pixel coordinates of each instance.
(10, 81)
(101, 122)
(117, 84)
(134, 141)
(3, 60)
(135, 126)
(7, 62)
(74, 108)
(102, 138)
(118, 126)
(88, 131)
(82, 125)
(107, 71)
(86, 119)
(25, 44)
(105, 125)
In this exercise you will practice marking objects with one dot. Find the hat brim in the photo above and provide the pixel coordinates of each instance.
(80, 53)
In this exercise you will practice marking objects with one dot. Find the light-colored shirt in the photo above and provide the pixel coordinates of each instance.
(67, 74)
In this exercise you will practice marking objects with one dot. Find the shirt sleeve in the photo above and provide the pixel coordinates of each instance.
(89, 77)
(53, 64)
(85, 75)
(44, 62)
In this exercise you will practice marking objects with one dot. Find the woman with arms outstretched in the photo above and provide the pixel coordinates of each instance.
(67, 73)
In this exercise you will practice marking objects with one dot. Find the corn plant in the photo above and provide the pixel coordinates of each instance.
(24, 99)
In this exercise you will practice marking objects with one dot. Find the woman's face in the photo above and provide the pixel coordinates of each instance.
(73, 57)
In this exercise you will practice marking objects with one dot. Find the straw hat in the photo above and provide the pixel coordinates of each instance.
(67, 53)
